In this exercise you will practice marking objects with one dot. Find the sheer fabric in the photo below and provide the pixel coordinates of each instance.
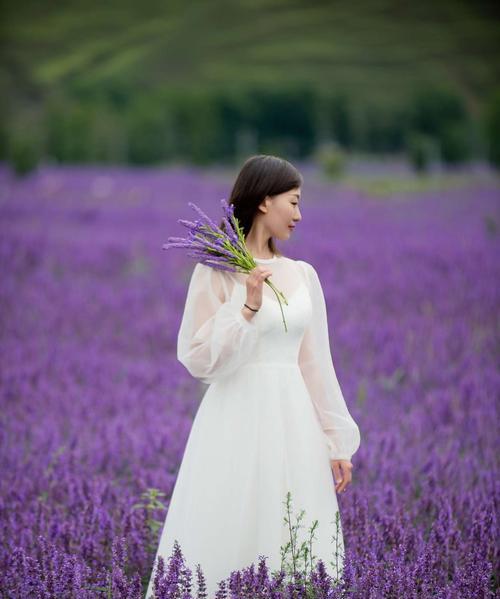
(215, 340)
(214, 337)
(270, 421)
(315, 360)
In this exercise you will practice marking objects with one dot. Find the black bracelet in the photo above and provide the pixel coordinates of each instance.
(251, 308)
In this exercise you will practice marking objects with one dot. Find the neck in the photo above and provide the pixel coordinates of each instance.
(263, 253)
(259, 250)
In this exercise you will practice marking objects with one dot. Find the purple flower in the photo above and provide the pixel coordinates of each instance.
(218, 248)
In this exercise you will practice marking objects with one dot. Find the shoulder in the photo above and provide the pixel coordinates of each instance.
(212, 273)
(205, 270)
(213, 279)
(307, 268)
(202, 274)
(200, 270)
(311, 276)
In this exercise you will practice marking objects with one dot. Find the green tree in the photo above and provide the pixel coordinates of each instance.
(491, 127)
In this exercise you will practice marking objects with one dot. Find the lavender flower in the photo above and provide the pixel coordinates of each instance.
(218, 248)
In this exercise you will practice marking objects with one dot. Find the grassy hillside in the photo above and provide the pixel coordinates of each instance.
(369, 49)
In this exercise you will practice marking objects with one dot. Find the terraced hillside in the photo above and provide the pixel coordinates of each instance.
(369, 49)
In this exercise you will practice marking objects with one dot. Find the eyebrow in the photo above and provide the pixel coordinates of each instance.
(295, 194)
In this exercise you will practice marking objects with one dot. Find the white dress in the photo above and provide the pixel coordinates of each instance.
(270, 421)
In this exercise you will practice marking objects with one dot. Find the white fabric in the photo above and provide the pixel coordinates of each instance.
(270, 421)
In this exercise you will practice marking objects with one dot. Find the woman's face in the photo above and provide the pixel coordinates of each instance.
(282, 213)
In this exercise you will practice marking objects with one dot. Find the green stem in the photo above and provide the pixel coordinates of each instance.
(278, 293)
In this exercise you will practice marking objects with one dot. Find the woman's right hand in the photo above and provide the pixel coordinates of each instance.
(254, 283)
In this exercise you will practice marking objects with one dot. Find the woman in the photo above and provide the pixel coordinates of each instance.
(273, 419)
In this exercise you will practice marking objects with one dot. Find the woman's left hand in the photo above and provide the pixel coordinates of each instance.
(342, 471)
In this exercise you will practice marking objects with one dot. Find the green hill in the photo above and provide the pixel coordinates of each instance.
(368, 49)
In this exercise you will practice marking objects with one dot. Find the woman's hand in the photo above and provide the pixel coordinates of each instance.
(342, 471)
(254, 283)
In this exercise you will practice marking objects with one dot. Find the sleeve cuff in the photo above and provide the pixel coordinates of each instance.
(246, 323)
(334, 454)
(341, 457)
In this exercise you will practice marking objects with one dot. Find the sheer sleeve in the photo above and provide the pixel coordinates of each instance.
(315, 360)
(214, 337)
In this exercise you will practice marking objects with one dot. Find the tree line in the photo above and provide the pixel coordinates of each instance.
(209, 126)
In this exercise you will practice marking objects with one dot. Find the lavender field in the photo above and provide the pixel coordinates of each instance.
(95, 409)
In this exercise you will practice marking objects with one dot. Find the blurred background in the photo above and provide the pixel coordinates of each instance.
(154, 83)
(113, 116)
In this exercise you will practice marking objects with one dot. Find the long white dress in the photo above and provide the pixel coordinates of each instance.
(270, 421)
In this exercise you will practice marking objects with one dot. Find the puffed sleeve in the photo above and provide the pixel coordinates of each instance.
(315, 360)
(214, 337)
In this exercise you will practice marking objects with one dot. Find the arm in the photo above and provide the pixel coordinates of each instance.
(315, 360)
(214, 337)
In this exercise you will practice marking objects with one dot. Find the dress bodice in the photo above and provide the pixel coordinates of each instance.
(217, 342)
(274, 343)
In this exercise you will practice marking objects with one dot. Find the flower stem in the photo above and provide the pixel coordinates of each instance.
(278, 294)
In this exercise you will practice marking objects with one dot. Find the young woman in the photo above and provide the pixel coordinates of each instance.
(273, 419)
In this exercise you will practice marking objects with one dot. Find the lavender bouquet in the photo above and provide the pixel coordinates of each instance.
(224, 249)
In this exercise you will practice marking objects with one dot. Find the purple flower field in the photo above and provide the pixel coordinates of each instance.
(95, 409)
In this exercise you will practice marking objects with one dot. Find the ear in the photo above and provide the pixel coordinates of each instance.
(263, 206)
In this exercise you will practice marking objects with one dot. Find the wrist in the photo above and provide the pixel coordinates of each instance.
(247, 312)
(250, 307)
